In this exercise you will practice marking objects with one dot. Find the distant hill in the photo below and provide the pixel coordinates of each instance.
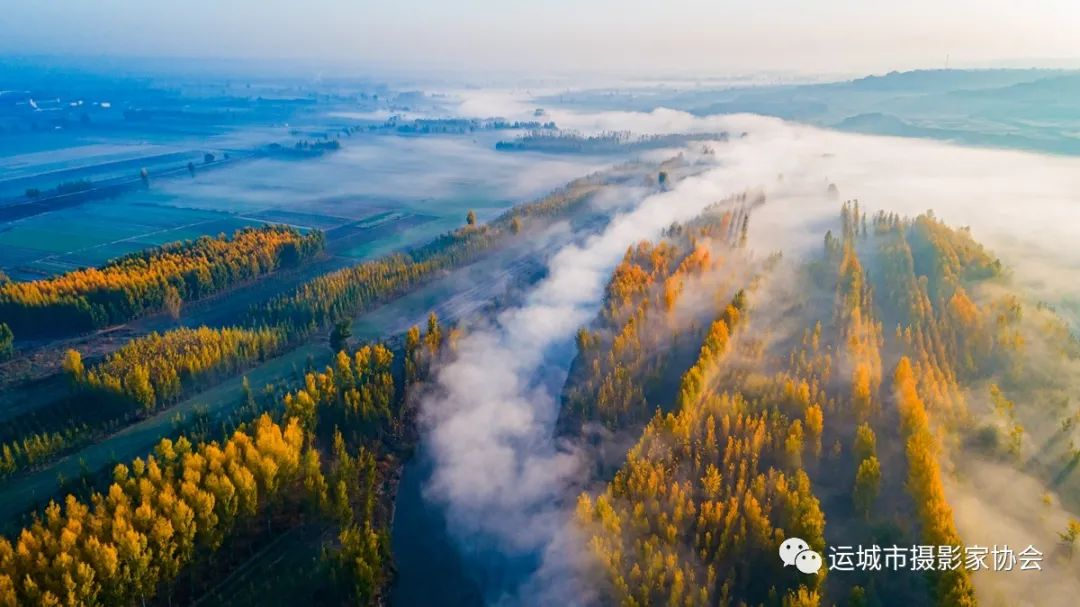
(881, 124)
(1061, 89)
(941, 81)
(1030, 109)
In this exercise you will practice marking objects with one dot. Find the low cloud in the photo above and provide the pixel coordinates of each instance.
(490, 420)
(489, 423)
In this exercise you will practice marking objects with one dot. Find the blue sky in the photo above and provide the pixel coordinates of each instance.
(810, 36)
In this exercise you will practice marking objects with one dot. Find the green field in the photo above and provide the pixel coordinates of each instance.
(94, 233)
(322, 222)
(396, 239)
(327, 192)
(53, 241)
(96, 256)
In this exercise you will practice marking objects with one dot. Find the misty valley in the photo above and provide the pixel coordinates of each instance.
(276, 340)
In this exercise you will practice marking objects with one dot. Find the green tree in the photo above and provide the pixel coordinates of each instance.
(7, 340)
(249, 396)
(339, 336)
(359, 563)
(857, 597)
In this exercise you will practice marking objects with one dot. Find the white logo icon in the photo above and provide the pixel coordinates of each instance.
(795, 551)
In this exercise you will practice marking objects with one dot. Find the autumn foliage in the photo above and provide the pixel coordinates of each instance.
(159, 512)
(730, 462)
(158, 368)
(150, 281)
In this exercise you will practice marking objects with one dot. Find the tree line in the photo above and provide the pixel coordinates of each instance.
(156, 369)
(641, 336)
(175, 508)
(7, 340)
(345, 293)
(759, 422)
(159, 279)
(156, 516)
(357, 394)
(143, 375)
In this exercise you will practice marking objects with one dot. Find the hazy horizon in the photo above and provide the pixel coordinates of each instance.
(835, 38)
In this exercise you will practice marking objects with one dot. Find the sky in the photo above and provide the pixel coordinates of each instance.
(680, 36)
